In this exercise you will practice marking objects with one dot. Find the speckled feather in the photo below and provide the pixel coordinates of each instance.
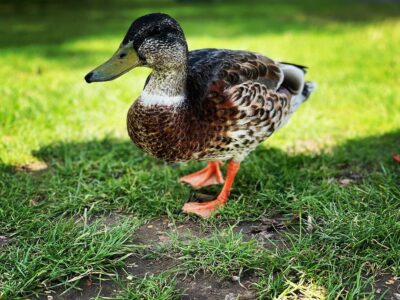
(234, 101)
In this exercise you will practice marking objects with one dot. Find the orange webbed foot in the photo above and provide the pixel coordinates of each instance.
(203, 209)
(206, 209)
(208, 176)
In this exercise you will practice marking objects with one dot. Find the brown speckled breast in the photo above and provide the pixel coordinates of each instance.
(229, 123)
(181, 133)
(170, 134)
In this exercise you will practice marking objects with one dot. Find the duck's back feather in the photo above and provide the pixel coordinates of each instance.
(232, 67)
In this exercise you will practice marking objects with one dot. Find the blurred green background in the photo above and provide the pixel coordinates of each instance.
(46, 47)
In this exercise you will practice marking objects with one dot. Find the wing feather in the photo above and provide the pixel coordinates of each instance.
(232, 67)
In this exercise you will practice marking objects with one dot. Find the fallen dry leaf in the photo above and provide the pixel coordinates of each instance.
(3, 240)
(33, 167)
(33, 202)
(267, 221)
(268, 226)
(310, 224)
(88, 282)
(164, 239)
(345, 181)
(235, 278)
(396, 158)
(391, 281)
(230, 296)
(129, 277)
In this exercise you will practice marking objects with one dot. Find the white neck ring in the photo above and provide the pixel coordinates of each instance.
(165, 100)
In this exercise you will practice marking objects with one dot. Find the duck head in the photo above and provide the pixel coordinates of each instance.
(155, 40)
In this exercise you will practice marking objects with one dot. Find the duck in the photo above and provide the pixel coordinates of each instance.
(212, 105)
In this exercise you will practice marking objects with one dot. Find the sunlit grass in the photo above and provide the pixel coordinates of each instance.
(354, 72)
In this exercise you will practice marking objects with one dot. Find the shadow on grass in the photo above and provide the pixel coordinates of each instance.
(113, 175)
(50, 23)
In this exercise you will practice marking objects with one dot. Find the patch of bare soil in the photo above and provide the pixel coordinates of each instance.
(387, 287)
(202, 286)
(350, 175)
(3, 241)
(85, 290)
(157, 232)
(206, 287)
(268, 232)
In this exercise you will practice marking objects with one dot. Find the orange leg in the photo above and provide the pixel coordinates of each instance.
(207, 208)
(207, 176)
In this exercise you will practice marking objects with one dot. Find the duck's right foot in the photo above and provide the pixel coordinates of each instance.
(208, 176)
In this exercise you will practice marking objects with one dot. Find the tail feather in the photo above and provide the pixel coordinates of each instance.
(308, 88)
(303, 68)
(294, 84)
(293, 78)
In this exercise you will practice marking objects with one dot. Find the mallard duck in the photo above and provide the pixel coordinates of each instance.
(212, 105)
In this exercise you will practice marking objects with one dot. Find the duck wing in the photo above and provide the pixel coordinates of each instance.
(240, 98)
(206, 66)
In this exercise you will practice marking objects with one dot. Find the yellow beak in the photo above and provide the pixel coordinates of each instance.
(125, 59)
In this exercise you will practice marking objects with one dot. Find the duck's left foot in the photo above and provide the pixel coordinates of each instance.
(205, 177)
(206, 209)
(203, 209)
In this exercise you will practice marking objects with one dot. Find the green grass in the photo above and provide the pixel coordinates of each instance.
(223, 254)
(54, 224)
(61, 249)
(152, 287)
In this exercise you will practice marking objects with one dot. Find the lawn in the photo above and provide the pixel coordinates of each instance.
(315, 210)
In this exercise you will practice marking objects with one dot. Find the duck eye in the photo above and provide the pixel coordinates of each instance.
(156, 30)
(122, 55)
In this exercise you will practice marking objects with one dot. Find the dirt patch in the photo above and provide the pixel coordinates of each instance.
(202, 286)
(268, 232)
(85, 290)
(206, 287)
(158, 231)
(351, 174)
(137, 266)
(350, 177)
(4, 241)
(140, 266)
(387, 287)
